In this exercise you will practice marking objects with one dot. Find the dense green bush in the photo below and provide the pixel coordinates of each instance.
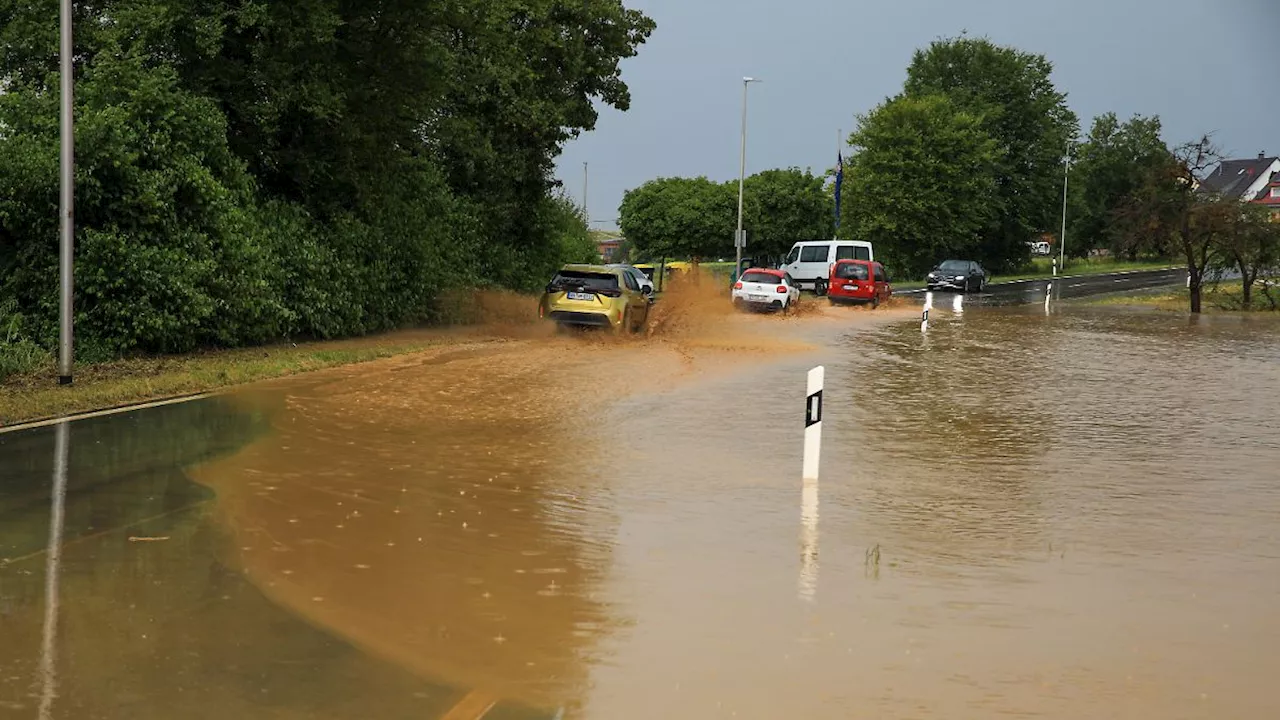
(246, 172)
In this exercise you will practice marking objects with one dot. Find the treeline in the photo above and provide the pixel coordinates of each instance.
(967, 161)
(696, 217)
(256, 169)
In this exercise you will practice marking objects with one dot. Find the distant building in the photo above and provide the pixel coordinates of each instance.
(608, 247)
(606, 244)
(1255, 180)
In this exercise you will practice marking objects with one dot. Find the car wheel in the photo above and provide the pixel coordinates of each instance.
(624, 327)
(820, 288)
(875, 303)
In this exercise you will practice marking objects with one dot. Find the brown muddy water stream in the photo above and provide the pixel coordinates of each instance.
(1071, 516)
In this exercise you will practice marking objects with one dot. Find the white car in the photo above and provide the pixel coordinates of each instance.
(762, 289)
(809, 262)
(646, 285)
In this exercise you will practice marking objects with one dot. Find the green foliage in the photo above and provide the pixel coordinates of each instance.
(17, 354)
(680, 217)
(696, 217)
(1111, 165)
(782, 207)
(259, 169)
(1020, 109)
(922, 184)
(1250, 245)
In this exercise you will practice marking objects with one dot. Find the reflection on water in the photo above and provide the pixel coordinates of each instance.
(113, 604)
(427, 511)
(1062, 516)
(1065, 517)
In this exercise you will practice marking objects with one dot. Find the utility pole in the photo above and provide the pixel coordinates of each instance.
(739, 238)
(586, 217)
(1062, 239)
(66, 204)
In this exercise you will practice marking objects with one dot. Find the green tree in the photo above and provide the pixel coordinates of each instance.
(1020, 108)
(922, 183)
(781, 207)
(260, 168)
(1250, 245)
(1110, 166)
(1169, 213)
(680, 218)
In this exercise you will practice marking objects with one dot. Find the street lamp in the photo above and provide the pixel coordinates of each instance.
(739, 238)
(1062, 239)
(66, 217)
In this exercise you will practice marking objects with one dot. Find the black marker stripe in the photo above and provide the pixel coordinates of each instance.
(813, 409)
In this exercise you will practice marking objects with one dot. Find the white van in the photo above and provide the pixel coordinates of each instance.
(809, 262)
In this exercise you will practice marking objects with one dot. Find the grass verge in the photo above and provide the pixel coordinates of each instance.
(1041, 268)
(36, 395)
(1224, 297)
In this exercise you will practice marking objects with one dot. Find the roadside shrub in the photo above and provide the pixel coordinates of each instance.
(18, 355)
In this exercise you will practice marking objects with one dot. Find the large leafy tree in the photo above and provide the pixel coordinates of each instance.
(1013, 95)
(1169, 213)
(679, 217)
(252, 168)
(1250, 246)
(781, 207)
(1111, 165)
(922, 184)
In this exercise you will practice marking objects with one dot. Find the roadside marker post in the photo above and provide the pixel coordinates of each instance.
(924, 316)
(813, 423)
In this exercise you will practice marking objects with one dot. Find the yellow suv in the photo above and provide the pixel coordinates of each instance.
(594, 295)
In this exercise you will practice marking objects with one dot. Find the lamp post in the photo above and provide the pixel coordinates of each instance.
(739, 238)
(1062, 239)
(66, 204)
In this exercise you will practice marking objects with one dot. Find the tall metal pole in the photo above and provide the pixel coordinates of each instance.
(1062, 239)
(66, 205)
(840, 158)
(742, 177)
(586, 217)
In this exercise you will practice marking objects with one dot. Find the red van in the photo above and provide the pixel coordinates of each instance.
(858, 281)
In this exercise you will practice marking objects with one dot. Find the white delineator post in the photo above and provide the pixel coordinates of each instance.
(813, 423)
(924, 316)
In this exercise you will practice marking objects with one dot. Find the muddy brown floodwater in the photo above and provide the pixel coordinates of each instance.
(1064, 516)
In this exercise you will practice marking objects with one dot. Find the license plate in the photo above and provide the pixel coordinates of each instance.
(757, 298)
(850, 287)
(580, 296)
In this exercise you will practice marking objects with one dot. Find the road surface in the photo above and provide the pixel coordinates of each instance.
(1019, 292)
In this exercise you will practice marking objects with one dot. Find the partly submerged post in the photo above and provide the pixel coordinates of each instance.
(924, 316)
(813, 423)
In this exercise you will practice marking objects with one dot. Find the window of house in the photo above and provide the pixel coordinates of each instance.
(1275, 192)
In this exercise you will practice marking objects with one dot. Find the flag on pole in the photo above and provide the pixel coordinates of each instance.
(839, 183)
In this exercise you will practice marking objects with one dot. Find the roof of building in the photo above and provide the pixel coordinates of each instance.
(1232, 178)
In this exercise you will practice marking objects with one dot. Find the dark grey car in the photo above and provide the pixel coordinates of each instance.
(961, 275)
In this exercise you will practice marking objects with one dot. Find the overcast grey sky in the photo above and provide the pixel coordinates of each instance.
(1201, 65)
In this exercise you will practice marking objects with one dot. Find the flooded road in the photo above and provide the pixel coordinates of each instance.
(1061, 516)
